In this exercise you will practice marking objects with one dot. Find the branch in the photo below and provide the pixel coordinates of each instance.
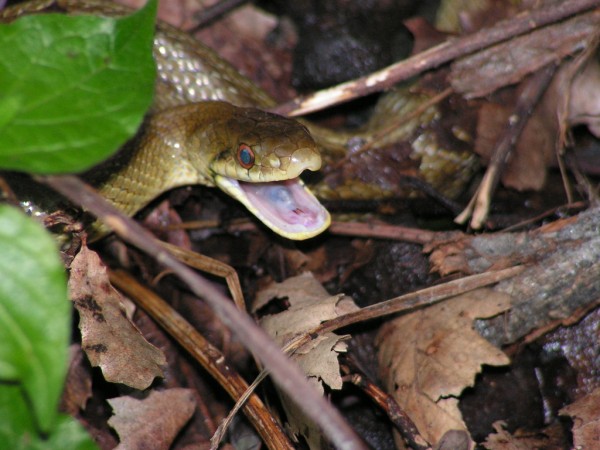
(284, 372)
(434, 57)
(479, 206)
(206, 354)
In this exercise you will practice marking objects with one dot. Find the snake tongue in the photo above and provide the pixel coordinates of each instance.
(287, 207)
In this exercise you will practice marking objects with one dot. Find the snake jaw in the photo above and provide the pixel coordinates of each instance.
(287, 207)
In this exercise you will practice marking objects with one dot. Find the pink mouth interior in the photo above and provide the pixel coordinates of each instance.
(286, 204)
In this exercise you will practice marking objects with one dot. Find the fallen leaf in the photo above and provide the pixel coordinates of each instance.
(585, 413)
(154, 421)
(584, 101)
(299, 424)
(309, 305)
(550, 438)
(109, 339)
(570, 100)
(533, 153)
(427, 358)
(253, 28)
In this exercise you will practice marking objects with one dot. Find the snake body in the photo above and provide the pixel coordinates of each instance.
(258, 164)
(195, 135)
(254, 156)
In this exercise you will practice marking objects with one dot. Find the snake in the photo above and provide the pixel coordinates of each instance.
(208, 126)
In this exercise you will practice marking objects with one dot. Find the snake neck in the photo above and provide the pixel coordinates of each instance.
(173, 149)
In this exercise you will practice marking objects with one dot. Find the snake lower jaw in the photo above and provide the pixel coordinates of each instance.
(287, 207)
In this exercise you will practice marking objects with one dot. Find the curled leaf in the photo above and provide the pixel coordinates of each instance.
(109, 339)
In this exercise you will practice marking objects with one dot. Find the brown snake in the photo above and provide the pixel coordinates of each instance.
(194, 137)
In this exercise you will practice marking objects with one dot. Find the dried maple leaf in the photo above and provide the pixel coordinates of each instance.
(586, 420)
(108, 338)
(428, 357)
(154, 421)
(309, 305)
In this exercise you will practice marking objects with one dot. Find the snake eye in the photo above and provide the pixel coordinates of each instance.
(245, 156)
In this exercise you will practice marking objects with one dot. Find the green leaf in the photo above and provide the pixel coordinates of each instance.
(35, 315)
(74, 88)
(68, 435)
(17, 431)
(16, 425)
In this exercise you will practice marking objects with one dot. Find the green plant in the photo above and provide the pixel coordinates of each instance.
(74, 88)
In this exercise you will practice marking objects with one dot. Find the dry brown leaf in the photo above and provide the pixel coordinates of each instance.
(251, 51)
(586, 420)
(153, 422)
(428, 357)
(534, 151)
(584, 100)
(571, 99)
(310, 304)
(550, 439)
(299, 424)
(109, 339)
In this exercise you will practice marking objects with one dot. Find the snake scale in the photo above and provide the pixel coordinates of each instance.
(194, 135)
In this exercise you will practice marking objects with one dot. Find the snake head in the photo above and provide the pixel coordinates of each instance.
(260, 167)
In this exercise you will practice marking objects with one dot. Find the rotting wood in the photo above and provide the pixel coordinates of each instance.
(562, 274)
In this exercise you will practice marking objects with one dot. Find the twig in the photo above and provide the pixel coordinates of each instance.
(284, 372)
(434, 57)
(387, 403)
(570, 208)
(404, 303)
(383, 231)
(212, 266)
(214, 12)
(478, 207)
(207, 355)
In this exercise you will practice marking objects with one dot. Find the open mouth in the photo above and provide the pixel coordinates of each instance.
(287, 207)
